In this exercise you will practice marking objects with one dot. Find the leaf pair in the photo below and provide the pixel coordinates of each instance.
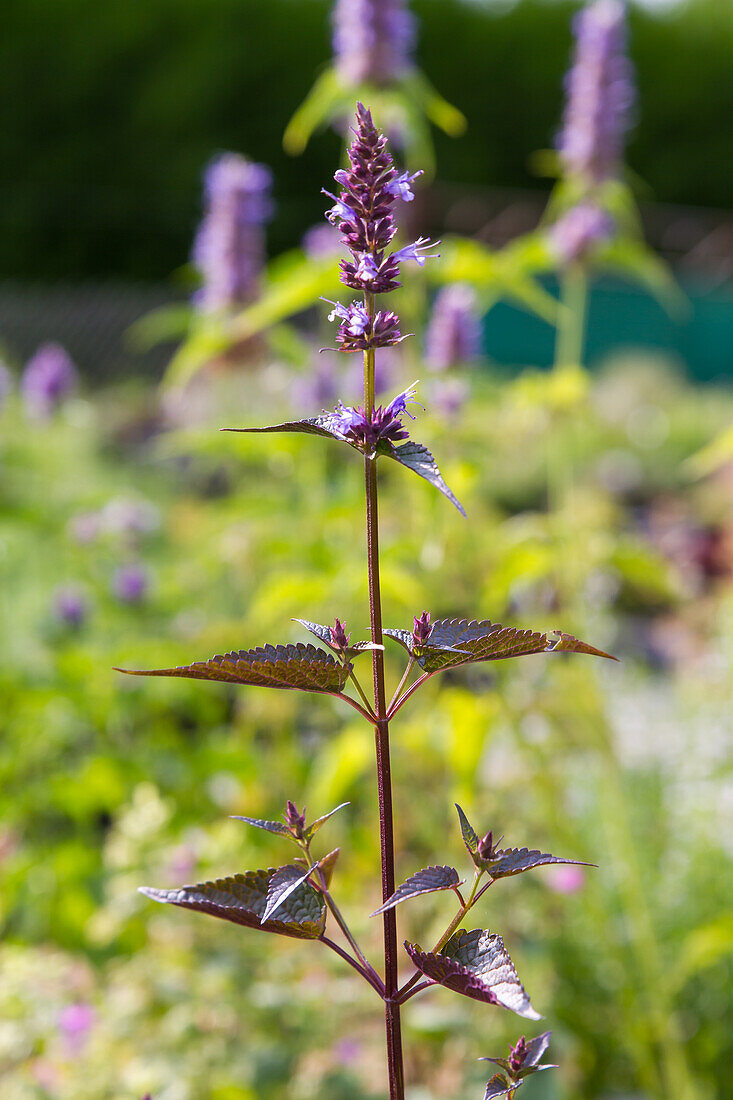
(411, 455)
(521, 1064)
(281, 829)
(504, 862)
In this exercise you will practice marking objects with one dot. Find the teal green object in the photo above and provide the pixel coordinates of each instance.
(622, 318)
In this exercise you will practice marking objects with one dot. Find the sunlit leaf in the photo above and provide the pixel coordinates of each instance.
(283, 884)
(470, 838)
(426, 881)
(278, 827)
(323, 633)
(242, 899)
(476, 964)
(302, 667)
(498, 1086)
(513, 861)
(317, 108)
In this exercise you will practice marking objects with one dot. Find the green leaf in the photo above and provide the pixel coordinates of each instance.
(634, 260)
(469, 836)
(242, 899)
(292, 286)
(498, 1086)
(327, 94)
(426, 881)
(301, 667)
(476, 964)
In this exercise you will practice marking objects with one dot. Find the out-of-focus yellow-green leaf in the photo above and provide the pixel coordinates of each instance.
(717, 453)
(442, 113)
(294, 283)
(704, 947)
(206, 341)
(632, 259)
(340, 765)
(167, 323)
(318, 107)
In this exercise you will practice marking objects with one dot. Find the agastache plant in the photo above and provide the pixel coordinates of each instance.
(296, 899)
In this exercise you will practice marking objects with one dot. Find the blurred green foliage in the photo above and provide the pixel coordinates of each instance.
(109, 783)
(109, 113)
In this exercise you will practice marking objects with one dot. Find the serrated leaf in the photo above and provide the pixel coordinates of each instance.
(328, 865)
(534, 1050)
(269, 826)
(242, 899)
(283, 883)
(426, 881)
(498, 1086)
(469, 836)
(316, 825)
(324, 634)
(482, 640)
(406, 640)
(323, 425)
(476, 964)
(419, 459)
(301, 667)
(404, 637)
(513, 861)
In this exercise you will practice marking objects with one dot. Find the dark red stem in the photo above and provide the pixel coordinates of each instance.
(384, 786)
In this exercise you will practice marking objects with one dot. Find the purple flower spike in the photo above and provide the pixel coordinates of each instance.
(49, 377)
(357, 331)
(579, 231)
(130, 584)
(454, 330)
(229, 249)
(385, 423)
(70, 606)
(600, 94)
(372, 40)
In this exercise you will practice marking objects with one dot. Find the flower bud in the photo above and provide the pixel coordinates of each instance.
(294, 820)
(517, 1056)
(421, 629)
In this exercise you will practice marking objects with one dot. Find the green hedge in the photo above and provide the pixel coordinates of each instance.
(109, 111)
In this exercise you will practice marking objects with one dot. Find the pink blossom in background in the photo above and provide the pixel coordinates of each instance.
(565, 879)
(75, 1023)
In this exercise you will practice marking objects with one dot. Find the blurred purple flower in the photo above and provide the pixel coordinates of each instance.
(565, 879)
(599, 94)
(319, 388)
(321, 241)
(75, 1023)
(85, 527)
(449, 395)
(130, 583)
(454, 331)
(579, 230)
(373, 40)
(48, 378)
(70, 605)
(229, 249)
(123, 516)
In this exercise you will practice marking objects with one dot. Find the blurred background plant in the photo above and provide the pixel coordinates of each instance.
(127, 524)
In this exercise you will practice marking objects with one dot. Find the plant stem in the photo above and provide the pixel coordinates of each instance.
(571, 323)
(403, 681)
(370, 713)
(352, 962)
(406, 694)
(395, 1067)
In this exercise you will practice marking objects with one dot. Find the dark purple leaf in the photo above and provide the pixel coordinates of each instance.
(302, 667)
(323, 633)
(422, 882)
(419, 459)
(327, 865)
(498, 1086)
(534, 1049)
(323, 425)
(242, 899)
(476, 964)
(404, 637)
(270, 826)
(469, 836)
(487, 641)
(513, 861)
(314, 826)
(284, 882)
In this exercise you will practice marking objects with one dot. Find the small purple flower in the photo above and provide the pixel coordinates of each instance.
(75, 1023)
(373, 40)
(415, 252)
(130, 583)
(400, 186)
(600, 94)
(384, 423)
(565, 879)
(340, 211)
(229, 249)
(70, 606)
(454, 331)
(578, 231)
(48, 378)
